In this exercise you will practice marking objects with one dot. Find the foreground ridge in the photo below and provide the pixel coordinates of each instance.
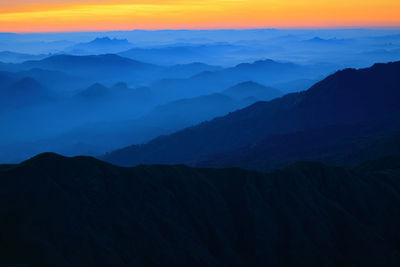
(80, 211)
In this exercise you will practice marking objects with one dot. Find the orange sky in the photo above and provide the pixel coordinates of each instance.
(90, 15)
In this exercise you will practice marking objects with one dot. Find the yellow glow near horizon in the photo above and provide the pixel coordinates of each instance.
(75, 15)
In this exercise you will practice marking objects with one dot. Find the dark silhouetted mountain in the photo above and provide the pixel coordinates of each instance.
(81, 211)
(103, 45)
(247, 89)
(346, 97)
(335, 144)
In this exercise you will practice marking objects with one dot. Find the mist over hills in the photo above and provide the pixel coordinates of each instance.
(12, 57)
(123, 126)
(165, 68)
(250, 88)
(125, 90)
(346, 97)
(287, 157)
(238, 45)
(266, 72)
(53, 208)
(17, 93)
(183, 53)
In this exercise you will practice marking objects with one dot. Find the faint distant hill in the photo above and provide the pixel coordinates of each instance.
(106, 68)
(264, 72)
(109, 67)
(252, 89)
(103, 45)
(348, 97)
(94, 92)
(22, 93)
(317, 41)
(118, 96)
(12, 57)
(122, 118)
(59, 82)
(188, 70)
(186, 112)
(189, 111)
(183, 53)
(7, 78)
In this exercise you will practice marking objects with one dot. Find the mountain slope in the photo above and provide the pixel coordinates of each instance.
(246, 89)
(67, 211)
(346, 97)
(334, 144)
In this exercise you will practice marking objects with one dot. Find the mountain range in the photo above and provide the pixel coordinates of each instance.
(348, 97)
(269, 163)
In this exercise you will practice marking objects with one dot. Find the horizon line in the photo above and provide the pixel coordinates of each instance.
(381, 28)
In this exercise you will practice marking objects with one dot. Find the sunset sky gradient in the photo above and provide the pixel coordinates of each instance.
(104, 15)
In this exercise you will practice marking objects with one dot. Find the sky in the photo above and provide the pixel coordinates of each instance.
(106, 15)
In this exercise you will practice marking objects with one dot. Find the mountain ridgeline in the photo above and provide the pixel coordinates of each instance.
(347, 98)
(67, 211)
(228, 158)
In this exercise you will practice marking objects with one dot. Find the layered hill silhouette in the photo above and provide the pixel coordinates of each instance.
(265, 72)
(12, 57)
(99, 68)
(103, 45)
(68, 211)
(109, 68)
(256, 90)
(181, 53)
(348, 97)
(20, 93)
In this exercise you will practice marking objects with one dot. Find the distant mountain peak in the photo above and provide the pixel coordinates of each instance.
(107, 40)
(96, 90)
(100, 45)
(252, 89)
(248, 83)
(263, 63)
(317, 39)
